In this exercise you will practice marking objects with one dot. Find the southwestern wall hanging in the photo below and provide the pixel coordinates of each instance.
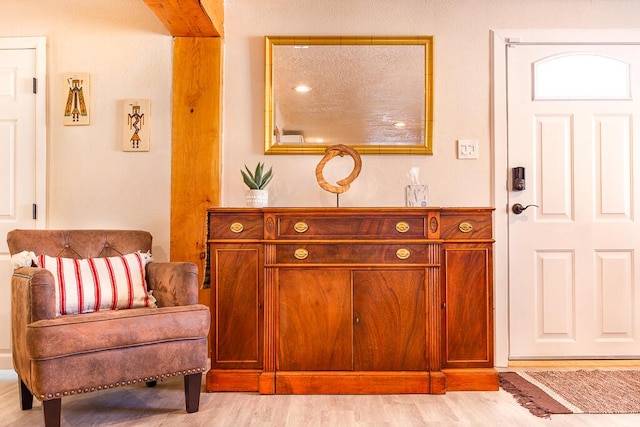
(76, 110)
(136, 115)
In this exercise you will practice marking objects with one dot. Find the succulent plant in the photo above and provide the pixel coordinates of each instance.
(257, 180)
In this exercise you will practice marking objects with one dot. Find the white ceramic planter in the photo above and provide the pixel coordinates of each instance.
(257, 199)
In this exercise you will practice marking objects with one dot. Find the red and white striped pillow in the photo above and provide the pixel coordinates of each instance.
(94, 284)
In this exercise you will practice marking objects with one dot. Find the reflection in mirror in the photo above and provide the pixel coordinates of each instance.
(373, 94)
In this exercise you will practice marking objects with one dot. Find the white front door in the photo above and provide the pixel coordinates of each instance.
(574, 260)
(21, 158)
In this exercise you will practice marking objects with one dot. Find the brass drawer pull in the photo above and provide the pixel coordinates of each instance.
(236, 227)
(301, 227)
(465, 227)
(301, 253)
(402, 227)
(403, 253)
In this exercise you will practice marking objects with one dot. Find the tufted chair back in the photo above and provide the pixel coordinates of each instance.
(79, 243)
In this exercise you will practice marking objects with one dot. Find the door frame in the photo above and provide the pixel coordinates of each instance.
(499, 39)
(38, 43)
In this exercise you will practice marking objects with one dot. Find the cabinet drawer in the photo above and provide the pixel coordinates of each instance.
(234, 226)
(472, 225)
(351, 227)
(352, 254)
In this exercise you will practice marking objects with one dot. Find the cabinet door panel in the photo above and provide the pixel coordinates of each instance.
(468, 315)
(390, 320)
(237, 318)
(314, 320)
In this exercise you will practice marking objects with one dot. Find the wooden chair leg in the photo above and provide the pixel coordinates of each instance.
(26, 398)
(51, 410)
(192, 384)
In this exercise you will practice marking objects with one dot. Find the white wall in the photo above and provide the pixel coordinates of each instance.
(461, 100)
(128, 52)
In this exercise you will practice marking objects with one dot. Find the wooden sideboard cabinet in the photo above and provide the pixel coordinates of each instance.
(351, 300)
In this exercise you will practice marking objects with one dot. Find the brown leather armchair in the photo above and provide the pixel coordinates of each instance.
(62, 355)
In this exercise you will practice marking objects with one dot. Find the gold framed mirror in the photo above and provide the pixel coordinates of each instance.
(374, 94)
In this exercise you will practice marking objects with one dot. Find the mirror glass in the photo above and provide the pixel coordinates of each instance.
(373, 94)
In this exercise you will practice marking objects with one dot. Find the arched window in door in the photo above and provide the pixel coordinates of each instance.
(581, 76)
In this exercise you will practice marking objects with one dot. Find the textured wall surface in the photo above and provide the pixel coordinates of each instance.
(128, 53)
(92, 183)
(461, 31)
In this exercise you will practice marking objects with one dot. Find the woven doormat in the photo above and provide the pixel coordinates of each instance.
(575, 391)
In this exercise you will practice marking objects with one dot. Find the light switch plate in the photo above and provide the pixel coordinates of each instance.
(467, 149)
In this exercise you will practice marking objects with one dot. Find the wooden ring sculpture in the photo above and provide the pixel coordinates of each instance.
(343, 184)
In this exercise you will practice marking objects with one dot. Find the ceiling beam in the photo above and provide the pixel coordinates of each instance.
(190, 18)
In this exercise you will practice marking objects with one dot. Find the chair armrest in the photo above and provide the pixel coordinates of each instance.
(32, 298)
(173, 283)
(32, 295)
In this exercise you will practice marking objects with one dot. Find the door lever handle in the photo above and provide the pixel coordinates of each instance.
(518, 208)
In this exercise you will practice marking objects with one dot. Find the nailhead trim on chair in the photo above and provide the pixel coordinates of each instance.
(121, 383)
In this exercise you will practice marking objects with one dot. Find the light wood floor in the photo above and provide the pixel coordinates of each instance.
(164, 406)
